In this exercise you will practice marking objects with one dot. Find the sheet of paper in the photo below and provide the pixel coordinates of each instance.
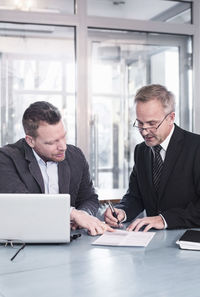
(124, 238)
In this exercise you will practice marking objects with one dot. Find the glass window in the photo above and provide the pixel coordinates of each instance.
(36, 63)
(52, 6)
(122, 62)
(155, 10)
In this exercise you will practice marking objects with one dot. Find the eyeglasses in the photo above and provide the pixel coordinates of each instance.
(15, 244)
(151, 129)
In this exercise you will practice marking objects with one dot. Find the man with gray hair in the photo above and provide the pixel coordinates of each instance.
(165, 180)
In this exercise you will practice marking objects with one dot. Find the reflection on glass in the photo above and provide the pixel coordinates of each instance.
(36, 66)
(155, 10)
(53, 6)
(43, 75)
(120, 67)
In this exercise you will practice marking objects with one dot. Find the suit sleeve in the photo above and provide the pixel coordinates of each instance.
(188, 217)
(87, 199)
(10, 181)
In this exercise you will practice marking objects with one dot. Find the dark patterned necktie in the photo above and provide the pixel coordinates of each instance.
(157, 166)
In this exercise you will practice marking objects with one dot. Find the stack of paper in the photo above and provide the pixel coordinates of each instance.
(124, 238)
(190, 240)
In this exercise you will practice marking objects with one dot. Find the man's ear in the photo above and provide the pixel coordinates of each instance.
(172, 118)
(30, 141)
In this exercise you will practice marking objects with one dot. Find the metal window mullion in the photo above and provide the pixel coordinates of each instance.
(139, 25)
(196, 66)
(82, 105)
(38, 18)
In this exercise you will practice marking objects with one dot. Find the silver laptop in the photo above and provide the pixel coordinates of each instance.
(35, 218)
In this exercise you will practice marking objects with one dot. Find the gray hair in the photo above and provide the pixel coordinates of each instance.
(159, 92)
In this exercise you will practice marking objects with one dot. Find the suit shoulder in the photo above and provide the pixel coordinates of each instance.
(191, 137)
(74, 152)
(141, 147)
(14, 148)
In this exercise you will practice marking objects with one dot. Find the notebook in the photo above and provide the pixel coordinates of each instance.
(190, 240)
(35, 218)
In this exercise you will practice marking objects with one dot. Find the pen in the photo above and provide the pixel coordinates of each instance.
(75, 236)
(113, 211)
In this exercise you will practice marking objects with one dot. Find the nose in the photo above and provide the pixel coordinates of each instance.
(144, 132)
(62, 145)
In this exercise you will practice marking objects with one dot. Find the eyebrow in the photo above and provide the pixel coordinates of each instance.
(147, 121)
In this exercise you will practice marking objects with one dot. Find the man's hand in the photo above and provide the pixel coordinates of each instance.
(82, 219)
(150, 222)
(112, 221)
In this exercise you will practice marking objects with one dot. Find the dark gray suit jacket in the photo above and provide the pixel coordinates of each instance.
(20, 173)
(178, 199)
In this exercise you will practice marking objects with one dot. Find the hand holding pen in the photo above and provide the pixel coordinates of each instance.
(116, 213)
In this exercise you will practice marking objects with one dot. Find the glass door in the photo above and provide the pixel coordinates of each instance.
(121, 62)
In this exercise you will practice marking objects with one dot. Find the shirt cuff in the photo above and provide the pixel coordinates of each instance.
(125, 216)
(165, 223)
(71, 208)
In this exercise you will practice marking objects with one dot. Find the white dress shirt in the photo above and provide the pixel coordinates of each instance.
(49, 172)
(164, 145)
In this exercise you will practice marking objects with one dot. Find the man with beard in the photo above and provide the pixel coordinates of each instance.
(43, 163)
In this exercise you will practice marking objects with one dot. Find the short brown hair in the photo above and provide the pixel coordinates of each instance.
(37, 112)
(159, 92)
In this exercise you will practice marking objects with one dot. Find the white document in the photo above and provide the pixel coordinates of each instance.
(125, 238)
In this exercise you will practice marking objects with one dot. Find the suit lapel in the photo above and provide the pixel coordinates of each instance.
(64, 176)
(34, 167)
(173, 151)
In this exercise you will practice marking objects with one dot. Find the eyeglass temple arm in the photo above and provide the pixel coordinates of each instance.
(19, 250)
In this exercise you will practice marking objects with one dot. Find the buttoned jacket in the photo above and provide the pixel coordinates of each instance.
(178, 198)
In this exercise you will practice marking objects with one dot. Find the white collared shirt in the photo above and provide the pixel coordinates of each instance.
(49, 172)
(165, 144)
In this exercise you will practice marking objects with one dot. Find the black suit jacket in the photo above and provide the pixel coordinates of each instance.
(20, 173)
(178, 199)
